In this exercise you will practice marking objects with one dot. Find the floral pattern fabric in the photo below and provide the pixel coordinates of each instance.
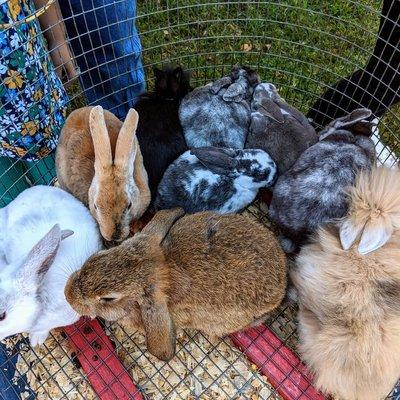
(32, 99)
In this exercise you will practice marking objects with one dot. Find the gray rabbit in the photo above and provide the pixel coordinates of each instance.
(278, 128)
(216, 179)
(218, 114)
(313, 191)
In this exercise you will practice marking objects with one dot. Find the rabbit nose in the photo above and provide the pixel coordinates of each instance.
(117, 233)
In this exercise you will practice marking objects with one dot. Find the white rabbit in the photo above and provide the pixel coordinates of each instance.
(45, 235)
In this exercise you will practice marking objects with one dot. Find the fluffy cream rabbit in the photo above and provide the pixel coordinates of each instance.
(348, 284)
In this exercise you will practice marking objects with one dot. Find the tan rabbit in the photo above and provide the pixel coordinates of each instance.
(216, 273)
(99, 161)
(348, 284)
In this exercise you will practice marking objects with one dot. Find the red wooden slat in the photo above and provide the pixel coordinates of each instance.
(280, 365)
(95, 352)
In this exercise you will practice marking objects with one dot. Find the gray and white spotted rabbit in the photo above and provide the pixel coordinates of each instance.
(218, 114)
(278, 128)
(314, 191)
(216, 179)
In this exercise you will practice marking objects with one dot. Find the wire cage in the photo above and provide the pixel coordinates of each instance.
(326, 58)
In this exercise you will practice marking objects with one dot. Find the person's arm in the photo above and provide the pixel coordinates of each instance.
(54, 31)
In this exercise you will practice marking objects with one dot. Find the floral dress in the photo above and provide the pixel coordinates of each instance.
(32, 99)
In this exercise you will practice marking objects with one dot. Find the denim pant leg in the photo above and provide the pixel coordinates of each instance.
(107, 50)
(12, 384)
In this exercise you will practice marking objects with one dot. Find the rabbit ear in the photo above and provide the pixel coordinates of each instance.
(66, 233)
(272, 110)
(374, 236)
(356, 122)
(235, 92)
(158, 73)
(220, 84)
(352, 118)
(221, 161)
(127, 144)
(158, 325)
(40, 258)
(178, 71)
(101, 140)
(348, 233)
(162, 222)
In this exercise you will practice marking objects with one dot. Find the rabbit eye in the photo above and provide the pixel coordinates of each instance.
(107, 299)
(129, 205)
(3, 316)
(95, 206)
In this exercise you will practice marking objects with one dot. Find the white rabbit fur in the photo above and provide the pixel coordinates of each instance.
(32, 298)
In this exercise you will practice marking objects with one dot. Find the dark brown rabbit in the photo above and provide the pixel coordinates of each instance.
(216, 273)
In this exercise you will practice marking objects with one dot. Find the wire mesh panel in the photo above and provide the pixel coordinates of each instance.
(303, 47)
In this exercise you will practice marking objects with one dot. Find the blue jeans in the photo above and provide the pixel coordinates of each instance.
(107, 50)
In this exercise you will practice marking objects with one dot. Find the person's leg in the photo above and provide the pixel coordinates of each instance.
(41, 172)
(107, 50)
(12, 180)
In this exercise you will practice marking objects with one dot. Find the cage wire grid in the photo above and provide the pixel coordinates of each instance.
(301, 46)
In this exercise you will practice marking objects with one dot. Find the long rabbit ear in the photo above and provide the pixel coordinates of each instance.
(221, 161)
(39, 259)
(272, 110)
(158, 325)
(127, 144)
(162, 222)
(101, 140)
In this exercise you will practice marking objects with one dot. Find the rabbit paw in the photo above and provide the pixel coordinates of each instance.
(37, 338)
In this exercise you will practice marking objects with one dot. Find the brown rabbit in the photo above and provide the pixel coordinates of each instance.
(348, 285)
(99, 161)
(216, 273)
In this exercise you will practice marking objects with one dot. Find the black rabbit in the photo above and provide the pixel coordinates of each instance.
(159, 131)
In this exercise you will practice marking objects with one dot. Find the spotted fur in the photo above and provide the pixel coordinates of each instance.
(217, 179)
(313, 192)
(218, 114)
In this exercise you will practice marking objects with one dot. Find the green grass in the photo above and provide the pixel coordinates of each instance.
(300, 45)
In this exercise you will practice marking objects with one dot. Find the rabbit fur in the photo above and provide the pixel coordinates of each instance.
(99, 161)
(348, 284)
(159, 130)
(278, 128)
(312, 192)
(216, 273)
(35, 270)
(215, 179)
(218, 114)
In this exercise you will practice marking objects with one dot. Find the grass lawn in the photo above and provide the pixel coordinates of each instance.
(300, 45)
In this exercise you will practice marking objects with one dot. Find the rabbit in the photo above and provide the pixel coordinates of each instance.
(159, 130)
(45, 235)
(278, 128)
(348, 283)
(211, 272)
(215, 179)
(218, 114)
(98, 160)
(312, 192)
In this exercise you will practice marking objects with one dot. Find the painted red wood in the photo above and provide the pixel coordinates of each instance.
(280, 365)
(106, 374)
